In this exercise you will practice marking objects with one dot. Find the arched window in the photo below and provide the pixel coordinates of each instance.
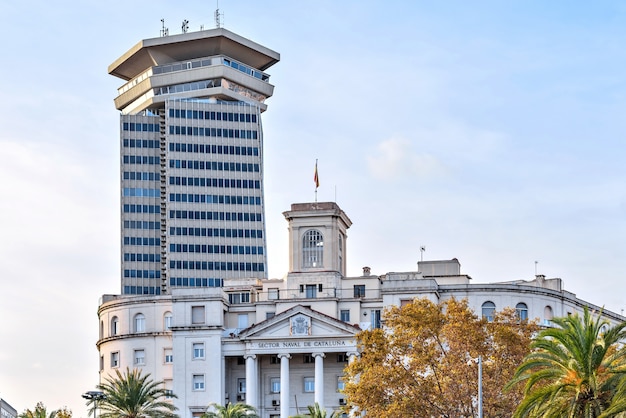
(547, 316)
(522, 311)
(489, 310)
(167, 321)
(313, 249)
(114, 326)
(140, 323)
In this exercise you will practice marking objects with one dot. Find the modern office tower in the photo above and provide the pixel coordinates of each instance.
(192, 204)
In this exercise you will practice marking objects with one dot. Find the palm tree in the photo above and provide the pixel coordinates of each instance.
(574, 370)
(316, 411)
(231, 410)
(39, 412)
(133, 395)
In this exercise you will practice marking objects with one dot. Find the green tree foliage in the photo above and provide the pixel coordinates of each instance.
(41, 411)
(424, 362)
(577, 369)
(316, 411)
(231, 410)
(133, 395)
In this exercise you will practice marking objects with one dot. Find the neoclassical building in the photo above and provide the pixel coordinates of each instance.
(281, 344)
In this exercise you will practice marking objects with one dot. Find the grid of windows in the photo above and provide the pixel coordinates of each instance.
(196, 281)
(215, 249)
(217, 232)
(202, 182)
(218, 216)
(214, 149)
(225, 116)
(215, 265)
(213, 132)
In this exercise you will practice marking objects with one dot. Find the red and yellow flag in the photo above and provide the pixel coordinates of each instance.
(316, 178)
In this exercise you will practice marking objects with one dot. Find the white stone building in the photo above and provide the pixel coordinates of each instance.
(281, 344)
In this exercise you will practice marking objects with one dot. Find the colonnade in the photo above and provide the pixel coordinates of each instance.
(252, 380)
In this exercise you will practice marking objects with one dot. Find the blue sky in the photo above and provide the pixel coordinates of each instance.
(488, 131)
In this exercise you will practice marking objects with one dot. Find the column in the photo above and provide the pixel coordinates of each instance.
(251, 381)
(319, 378)
(284, 385)
(352, 355)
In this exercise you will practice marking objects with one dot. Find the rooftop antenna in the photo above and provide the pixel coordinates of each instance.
(218, 24)
(536, 262)
(185, 26)
(422, 251)
(164, 31)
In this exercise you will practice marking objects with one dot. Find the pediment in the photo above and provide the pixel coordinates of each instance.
(299, 322)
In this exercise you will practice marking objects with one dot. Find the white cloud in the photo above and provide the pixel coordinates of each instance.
(396, 159)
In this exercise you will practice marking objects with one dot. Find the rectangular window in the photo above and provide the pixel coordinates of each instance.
(344, 315)
(269, 315)
(359, 290)
(309, 384)
(241, 385)
(115, 359)
(341, 384)
(168, 356)
(342, 358)
(274, 360)
(198, 382)
(197, 314)
(375, 318)
(275, 385)
(308, 358)
(236, 298)
(198, 351)
(311, 291)
(140, 357)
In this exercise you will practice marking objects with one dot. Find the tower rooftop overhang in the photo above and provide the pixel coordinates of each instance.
(187, 46)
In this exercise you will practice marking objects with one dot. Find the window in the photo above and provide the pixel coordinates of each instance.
(269, 315)
(341, 384)
(521, 310)
(115, 359)
(115, 325)
(274, 360)
(140, 323)
(197, 314)
(308, 358)
(312, 249)
(375, 318)
(168, 357)
(139, 358)
(342, 358)
(309, 384)
(311, 291)
(101, 363)
(547, 316)
(235, 298)
(275, 385)
(489, 310)
(359, 290)
(167, 321)
(198, 351)
(241, 385)
(344, 315)
(273, 293)
(198, 382)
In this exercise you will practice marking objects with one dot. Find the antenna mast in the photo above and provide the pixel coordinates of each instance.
(164, 31)
(218, 24)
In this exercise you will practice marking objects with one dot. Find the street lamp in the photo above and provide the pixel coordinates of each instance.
(95, 396)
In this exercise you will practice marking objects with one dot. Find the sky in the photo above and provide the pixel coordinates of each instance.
(488, 131)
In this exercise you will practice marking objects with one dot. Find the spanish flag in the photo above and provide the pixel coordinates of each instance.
(316, 178)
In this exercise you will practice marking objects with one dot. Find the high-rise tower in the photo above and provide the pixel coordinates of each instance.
(192, 204)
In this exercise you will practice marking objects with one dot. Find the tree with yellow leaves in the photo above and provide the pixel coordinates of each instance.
(423, 363)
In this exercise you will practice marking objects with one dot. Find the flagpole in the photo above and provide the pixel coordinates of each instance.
(316, 180)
